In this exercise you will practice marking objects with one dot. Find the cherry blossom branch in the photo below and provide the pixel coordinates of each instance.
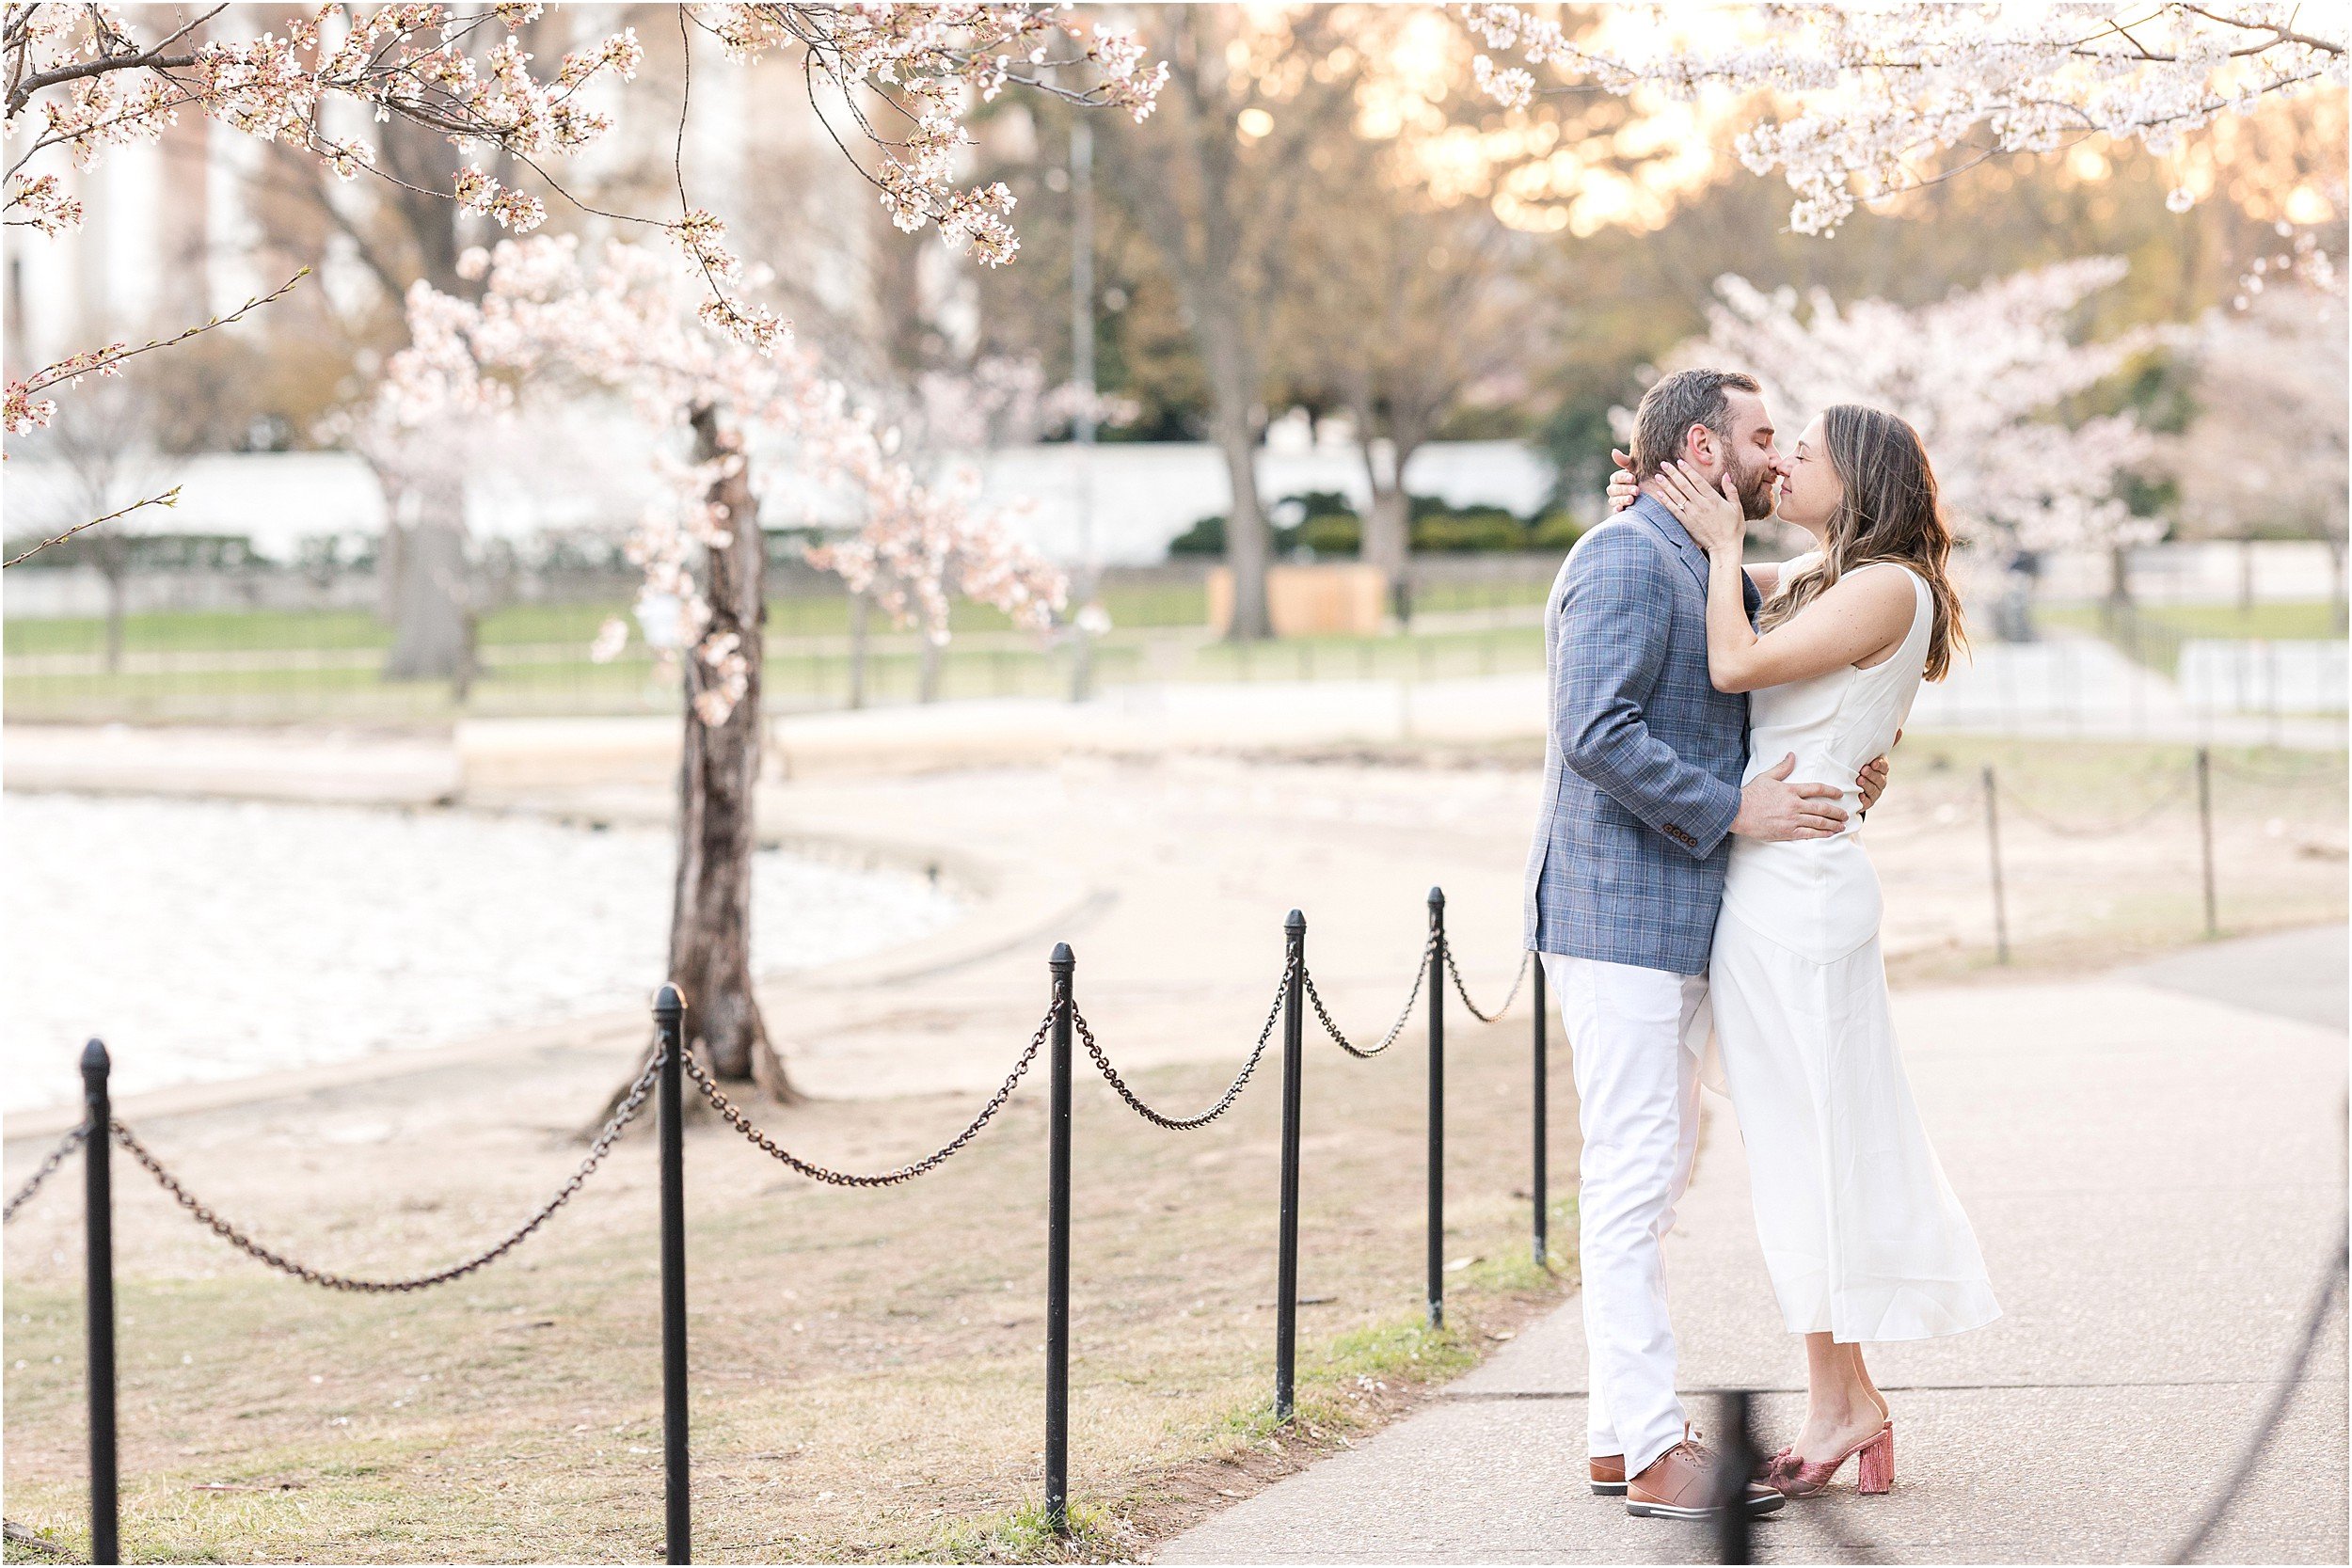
(1857, 91)
(24, 413)
(170, 498)
(153, 58)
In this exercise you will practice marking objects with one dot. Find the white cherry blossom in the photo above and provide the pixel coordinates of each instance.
(1862, 101)
(556, 318)
(1981, 376)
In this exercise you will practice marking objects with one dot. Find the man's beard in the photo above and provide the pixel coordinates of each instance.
(1754, 489)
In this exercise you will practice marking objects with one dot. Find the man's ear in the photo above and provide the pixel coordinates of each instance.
(1699, 444)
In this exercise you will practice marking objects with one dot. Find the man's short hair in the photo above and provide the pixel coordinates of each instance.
(1671, 408)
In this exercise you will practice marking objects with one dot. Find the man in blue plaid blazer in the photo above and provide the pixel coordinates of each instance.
(1642, 792)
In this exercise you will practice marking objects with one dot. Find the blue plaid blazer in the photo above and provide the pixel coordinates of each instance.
(1643, 761)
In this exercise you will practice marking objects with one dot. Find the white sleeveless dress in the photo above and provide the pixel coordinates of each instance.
(1861, 1232)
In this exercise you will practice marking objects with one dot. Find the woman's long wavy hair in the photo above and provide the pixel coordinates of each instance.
(1890, 512)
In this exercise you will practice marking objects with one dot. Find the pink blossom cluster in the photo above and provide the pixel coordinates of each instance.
(2302, 262)
(1981, 376)
(556, 318)
(1862, 96)
(95, 85)
(26, 410)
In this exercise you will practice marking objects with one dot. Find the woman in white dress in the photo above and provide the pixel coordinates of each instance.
(1861, 1232)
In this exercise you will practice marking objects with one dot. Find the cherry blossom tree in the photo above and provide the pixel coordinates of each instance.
(2266, 454)
(622, 321)
(85, 78)
(1985, 376)
(1868, 101)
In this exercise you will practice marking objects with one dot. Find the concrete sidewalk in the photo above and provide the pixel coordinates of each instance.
(2154, 1163)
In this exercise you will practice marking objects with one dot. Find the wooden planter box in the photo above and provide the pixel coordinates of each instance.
(1338, 598)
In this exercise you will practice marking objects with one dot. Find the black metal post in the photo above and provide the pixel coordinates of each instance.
(97, 1228)
(1993, 841)
(2204, 823)
(1058, 1255)
(1286, 1252)
(1437, 1107)
(1541, 1182)
(669, 1018)
(1733, 1543)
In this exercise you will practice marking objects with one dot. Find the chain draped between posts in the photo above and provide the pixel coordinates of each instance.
(735, 1118)
(1412, 1000)
(2179, 791)
(2277, 778)
(48, 1167)
(622, 1114)
(1463, 991)
(2314, 1324)
(1232, 1090)
(669, 1062)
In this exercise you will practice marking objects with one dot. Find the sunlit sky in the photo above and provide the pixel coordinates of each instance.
(1543, 174)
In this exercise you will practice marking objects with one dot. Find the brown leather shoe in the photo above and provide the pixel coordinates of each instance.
(1608, 1472)
(1683, 1483)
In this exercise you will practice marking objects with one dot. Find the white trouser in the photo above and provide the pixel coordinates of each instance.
(1630, 1031)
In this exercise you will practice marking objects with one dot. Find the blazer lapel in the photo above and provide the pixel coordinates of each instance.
(1656, 514)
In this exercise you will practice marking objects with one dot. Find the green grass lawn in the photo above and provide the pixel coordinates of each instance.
(1137, 606)
(284, 666)
(2161, 628)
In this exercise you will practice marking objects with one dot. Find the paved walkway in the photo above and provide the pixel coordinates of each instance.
(2154, 1163)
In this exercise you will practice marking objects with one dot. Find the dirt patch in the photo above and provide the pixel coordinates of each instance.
(867, 1365)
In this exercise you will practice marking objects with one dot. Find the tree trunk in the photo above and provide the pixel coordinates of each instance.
(861, 633)
(1248, 546)
(389, 553)
(1388, 544)
(115, 564)
(711, 919)
(1232, 424)
(927, 677)
(433, 636)
(2119, 575)
(1388, 521)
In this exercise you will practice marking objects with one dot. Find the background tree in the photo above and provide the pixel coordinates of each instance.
(109, 450)
(1411, 295)
(1988, 377)
(623, 324)
(1252, 108)
(905, 74)
(2264, 454)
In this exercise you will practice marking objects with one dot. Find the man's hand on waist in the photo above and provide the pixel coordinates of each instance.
(1776, 811)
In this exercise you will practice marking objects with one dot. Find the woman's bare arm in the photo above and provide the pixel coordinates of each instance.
(1864, 613)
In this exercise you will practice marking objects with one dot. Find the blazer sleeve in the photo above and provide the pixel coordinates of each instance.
(1615, 613)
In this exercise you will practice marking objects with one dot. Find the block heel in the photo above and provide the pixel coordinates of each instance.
(1877, 1461)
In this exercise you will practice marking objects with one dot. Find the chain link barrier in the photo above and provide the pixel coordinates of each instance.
(1363, 1052)
(1463, 991)
(2277, 778)
(2313, 1327)
(622, 1114)
(1232, 1090)
(48, 1167)
(2181, 788)
(768, 1145)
